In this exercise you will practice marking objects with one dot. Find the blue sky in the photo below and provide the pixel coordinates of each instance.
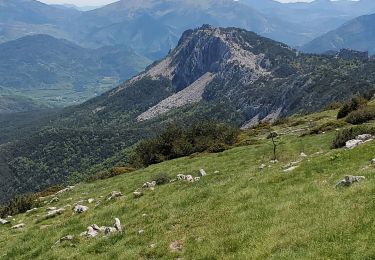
(103, 2)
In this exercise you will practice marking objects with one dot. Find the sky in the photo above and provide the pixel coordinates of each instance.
(104, 2)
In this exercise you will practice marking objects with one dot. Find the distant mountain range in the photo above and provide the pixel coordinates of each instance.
(56, 72)
(153, 27)
(220, 74)
(358, 34)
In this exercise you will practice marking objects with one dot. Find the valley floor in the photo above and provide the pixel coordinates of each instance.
(239, 212)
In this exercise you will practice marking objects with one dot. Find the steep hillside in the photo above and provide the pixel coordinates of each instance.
(57, 72)
(215, 74)
(357, 34)
(240, 210)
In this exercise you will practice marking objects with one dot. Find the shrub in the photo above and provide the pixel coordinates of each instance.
(328, 126)
(115, 171)
(333, 106)
(161, 179)
(361, 116)
(348, 134)
(351, 106)
(175, 142)
(19, 204)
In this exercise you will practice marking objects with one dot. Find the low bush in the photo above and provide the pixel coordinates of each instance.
(361, 116)
(351, 106)
(350, 133)
(115, 171)
(328, 126)
(19, 204)
(161, 179)
(178, 141)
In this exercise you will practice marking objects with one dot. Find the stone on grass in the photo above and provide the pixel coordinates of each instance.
(117, 225)
(69, 188)
(303, 155)
(54, 199)
(189, 178)
(91, 232)
(353, 143)
(202, 173)
(216, 172)
(176, 246)
(3, 221)
(261, 167)
(80, 208)
(115, 195)
(290, 169)
(31, 210)
(197, 178)
(181, 177)
(373, 161)
(91, 201)
(349, 180)
(140, 232)
(137, 194)
(54, 213)
(364, 137)
(66, 238)
(18, 226)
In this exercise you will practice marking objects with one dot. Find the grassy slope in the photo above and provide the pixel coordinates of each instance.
(240, 213)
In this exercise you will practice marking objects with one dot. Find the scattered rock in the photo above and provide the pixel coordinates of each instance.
(353, 143)
(262, 167)
(202, 173)
(176, 246)
(53, 200)
(152, 245)
(66, 238)
(54, 213)
(91, 232)
(3, 221)
(115, 195)
(31, 210)
(181, 177)
(140, 232)
(18, 226)
(216, 172)
(144, 215)
(349, 180)
(373, 161)
(274, 161)
(137, 194)
(364, 137)
(290, 169)
(149, 185)
(69, 188)
(303, 155)
(117, 225)
(189, 178)
(51, 208)
(80, 209)
(109, 230)
(91, 201)
(197, 178)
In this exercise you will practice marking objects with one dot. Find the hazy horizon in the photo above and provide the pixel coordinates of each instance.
(104, 2)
